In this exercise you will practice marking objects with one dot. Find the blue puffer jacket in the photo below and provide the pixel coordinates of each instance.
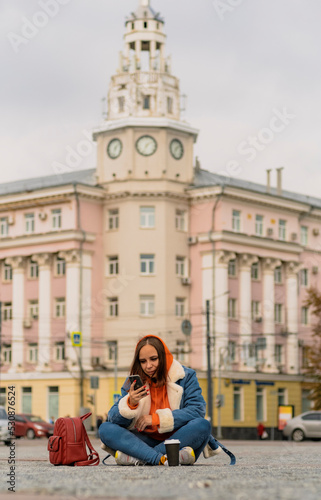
(185, 400)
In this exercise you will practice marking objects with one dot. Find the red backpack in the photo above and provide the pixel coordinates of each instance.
(67, 446)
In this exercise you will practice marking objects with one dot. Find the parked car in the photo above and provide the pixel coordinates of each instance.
(304, 426)
(32, 426)
(4, 431)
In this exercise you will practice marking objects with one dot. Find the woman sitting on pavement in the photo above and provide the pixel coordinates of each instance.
(169, 405)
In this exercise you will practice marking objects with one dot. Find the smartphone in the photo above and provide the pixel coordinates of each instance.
(139, 382)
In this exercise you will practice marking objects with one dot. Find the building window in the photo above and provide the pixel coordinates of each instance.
(147, 264)
(260, 413)
(278, 353)
(7, 353)
(59, 351)
(282, 396)
(60, 267)
(232, 351)
(7, 311)
(181, 351)
(236, 221)
(259, 225)
(169, 105)
(232, 268)
(33, 269)
(304, 277)
(256, 311)
(282, 230)
(145, 24)
(180, 266)
(146, 102)
(112, 350)
(113, 218)
(232, 308)
(4, 227)
(7, 272)
(147, 217)
(147, 305)
(305, 357)
(237, 403)
(133, 26)
(113, 265)
(305, 400)
(121, 104)
(60, 307)
(180, 220)
(26, 400)
(30, 223)
(304, 315)
(113, 307)
(33, 353)
(33, 307)
(56, 218)
(304, 235)
(53, 402)
(255, 271)
(278, 313)
(179, 307)
(278, 275)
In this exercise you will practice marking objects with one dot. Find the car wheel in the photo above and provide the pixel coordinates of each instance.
(30, 434)
(298, 435)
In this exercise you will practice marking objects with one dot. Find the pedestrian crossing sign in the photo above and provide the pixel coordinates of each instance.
(76, 339)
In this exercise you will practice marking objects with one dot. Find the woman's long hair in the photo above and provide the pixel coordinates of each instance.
(136, 368)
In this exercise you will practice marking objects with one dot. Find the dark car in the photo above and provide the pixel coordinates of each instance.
(304, 426)
(32, 426)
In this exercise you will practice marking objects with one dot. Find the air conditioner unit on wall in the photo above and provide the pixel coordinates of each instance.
(315, 270)
(186, 281)
(192, 240)
(316, 231)
(42, 215)
(258, 319)
(95, 361)
(27, 323)
(11, 220)
(294, 236)
(269, 231)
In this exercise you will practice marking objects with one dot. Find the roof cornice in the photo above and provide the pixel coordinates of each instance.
(113, 125)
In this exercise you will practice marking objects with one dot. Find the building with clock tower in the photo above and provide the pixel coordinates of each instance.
(145, 163)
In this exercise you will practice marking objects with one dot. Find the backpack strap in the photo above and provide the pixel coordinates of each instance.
(228, 452)
(93, 457)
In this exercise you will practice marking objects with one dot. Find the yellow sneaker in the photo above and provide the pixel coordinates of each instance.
(186, 456)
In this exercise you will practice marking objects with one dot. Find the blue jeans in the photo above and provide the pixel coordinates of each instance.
(195, 434)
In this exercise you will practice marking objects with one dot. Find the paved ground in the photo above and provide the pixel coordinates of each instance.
(264, 471)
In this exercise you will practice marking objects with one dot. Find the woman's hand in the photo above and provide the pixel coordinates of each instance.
(136, 396)
(143, 422)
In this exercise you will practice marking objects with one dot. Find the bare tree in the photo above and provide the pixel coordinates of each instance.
(313, 371)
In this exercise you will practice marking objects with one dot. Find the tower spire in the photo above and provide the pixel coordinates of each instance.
(144, 3)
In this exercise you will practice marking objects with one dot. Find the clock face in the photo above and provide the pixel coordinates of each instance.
(146, 145)
(114, 148)
(176, 149)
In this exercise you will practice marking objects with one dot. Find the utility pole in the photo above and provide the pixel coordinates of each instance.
(209, 366)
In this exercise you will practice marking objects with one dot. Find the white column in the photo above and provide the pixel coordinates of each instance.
(18, 311)
(45, 310)
(245, 262)
(152, 55)
(292, 358)
(75, 265)
(220, 301)
(269, 266)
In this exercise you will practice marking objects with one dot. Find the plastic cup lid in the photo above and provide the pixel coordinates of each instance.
(172, 441)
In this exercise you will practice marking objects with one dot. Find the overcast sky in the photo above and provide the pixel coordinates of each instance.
(250, 68)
